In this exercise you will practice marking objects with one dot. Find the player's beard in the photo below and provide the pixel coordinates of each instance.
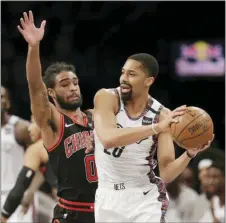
(69, 106)
(127, 96)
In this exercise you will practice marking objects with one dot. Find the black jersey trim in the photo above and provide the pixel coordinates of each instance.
(61, 134)
(85, 120)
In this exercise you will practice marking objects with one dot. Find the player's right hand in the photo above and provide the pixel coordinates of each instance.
(168, 117)
(30, 32)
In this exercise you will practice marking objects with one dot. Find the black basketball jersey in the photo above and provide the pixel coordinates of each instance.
(75, 171)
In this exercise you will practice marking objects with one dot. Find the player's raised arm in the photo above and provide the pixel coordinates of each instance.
(40, 106)
(105, 107)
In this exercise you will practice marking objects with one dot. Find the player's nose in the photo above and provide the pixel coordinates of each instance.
(124, 78)
(73, 87)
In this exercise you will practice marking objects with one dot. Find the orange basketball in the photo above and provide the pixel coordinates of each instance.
(194, 129)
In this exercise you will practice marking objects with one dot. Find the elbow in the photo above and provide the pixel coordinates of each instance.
(166, 179)
(165, 176)
(107, 141)
(108, 138)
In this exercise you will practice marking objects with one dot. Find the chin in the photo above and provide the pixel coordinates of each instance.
(126, 97)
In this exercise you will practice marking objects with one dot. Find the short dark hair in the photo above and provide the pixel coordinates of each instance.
(149, 63)
(53, 70)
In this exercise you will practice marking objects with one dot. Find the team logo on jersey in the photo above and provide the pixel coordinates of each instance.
(147, 121)
(76, 142)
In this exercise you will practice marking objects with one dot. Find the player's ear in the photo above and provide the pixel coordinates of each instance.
(149, 81)
(51, 93)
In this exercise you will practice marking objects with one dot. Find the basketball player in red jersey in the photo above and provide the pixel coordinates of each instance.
(130, 126)
(66, 130)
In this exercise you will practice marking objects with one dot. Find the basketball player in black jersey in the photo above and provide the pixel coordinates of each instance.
(66, 130)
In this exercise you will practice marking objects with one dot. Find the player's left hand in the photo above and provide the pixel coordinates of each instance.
(89, 144)
(195, 151)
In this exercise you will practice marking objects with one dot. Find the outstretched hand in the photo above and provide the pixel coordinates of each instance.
(30, 32)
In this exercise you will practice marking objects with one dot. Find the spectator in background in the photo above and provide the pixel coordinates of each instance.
(211, 184)
(187, 178)
(181, 202)
(14, 140)
(216, 178)
(36, 157)
(202, 171)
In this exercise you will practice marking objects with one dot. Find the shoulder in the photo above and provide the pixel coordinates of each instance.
(107, 95)
(112, 92)
(107, 99)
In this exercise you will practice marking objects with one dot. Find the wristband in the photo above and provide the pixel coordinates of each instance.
(190, 155)
(152, 127)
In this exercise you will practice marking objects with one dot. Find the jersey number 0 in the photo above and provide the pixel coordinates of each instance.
(91, 170)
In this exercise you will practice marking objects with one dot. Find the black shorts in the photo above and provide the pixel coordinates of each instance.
(65, 215)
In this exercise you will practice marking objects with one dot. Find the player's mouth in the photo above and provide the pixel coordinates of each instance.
(73, 97)
(125, 88)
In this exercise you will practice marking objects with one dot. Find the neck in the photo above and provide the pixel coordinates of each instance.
(74, 113)
(137, 105)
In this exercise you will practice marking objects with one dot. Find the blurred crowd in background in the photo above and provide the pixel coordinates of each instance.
(97, 37)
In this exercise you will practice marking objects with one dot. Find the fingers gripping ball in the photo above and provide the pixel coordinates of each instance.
(194, 129)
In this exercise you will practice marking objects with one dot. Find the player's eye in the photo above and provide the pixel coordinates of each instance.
(64, 84)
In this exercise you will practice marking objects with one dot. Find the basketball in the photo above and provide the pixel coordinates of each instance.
(194, 129)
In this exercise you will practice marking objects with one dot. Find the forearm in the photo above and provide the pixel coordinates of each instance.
(37, 181)
(117, 137)
(173, 169)
(28, 196)
(33, 67)
(40, 105)
(15, 196)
